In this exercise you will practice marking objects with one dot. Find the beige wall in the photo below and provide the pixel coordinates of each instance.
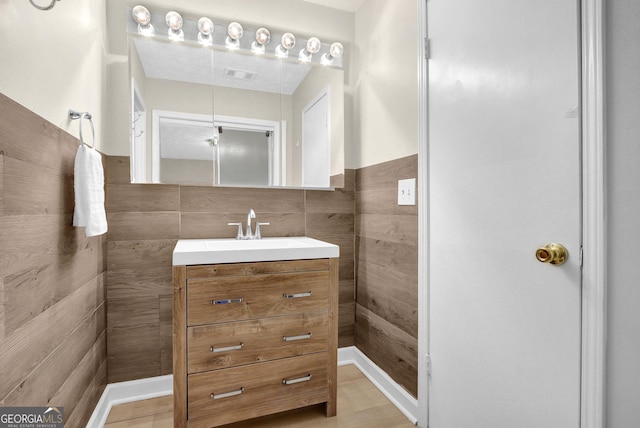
(386, 84)
(53, 61)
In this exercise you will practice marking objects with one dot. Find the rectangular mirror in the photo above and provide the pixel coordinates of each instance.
(209, 115)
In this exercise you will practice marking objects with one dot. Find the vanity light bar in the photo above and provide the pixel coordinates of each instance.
(233, 36)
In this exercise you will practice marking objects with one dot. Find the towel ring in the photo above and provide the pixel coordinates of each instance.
(73, 115)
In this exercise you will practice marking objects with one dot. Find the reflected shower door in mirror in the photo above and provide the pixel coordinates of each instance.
(201, 150)
(182, 94)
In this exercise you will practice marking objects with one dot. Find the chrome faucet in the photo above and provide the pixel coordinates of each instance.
(249, 233)
(251, 214)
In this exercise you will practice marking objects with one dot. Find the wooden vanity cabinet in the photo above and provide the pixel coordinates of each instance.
(252, 339)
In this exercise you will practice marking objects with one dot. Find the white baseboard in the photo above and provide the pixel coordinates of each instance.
(142, 389)
(400, 398)
(126, 392)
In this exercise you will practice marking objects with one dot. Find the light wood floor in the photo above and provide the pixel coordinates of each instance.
(360, 404)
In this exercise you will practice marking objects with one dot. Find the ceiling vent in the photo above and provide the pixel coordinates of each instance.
(234, 73)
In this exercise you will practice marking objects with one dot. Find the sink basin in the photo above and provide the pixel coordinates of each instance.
(208, 251)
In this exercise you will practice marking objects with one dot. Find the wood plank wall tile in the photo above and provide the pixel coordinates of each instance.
(386, 326)
(142, 197)
(50, 192)
(395, 351)
(144, 225)
(53, 372)
(239, 200)
(29, 291)
(2, 311)
(166, 333)
(139, 268)
(201, 225)
(330, 217)
(92, 371)
(133, 365)
(117, 170)
(52, 295)
(1, 183)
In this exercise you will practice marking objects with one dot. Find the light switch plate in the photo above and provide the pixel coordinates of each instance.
(407, 191)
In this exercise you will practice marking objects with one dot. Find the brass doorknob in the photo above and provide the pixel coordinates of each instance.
(553, 253)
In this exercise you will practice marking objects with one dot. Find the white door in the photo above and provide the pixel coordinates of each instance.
(315, 143)
(504, 179)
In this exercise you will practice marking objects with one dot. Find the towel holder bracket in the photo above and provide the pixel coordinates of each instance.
(74, 115)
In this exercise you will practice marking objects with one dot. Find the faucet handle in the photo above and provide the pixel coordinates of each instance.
(239, 233)
(258, 234)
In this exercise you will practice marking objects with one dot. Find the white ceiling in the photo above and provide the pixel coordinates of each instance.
(185, 63)
(346, 5)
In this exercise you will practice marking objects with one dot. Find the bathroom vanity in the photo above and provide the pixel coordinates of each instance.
(254, 328)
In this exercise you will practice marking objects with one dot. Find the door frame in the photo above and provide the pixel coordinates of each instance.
(592, 400)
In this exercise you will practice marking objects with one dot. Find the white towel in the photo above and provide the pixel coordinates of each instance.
(88, 187)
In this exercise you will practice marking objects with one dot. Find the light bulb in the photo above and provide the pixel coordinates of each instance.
(142, 16)
(335, 51)
(313, 46)
(263, 36)
(174, 22)
(287, 42)
(205, 28)
(235, 32)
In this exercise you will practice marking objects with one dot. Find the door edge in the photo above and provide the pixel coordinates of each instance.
(593, 367)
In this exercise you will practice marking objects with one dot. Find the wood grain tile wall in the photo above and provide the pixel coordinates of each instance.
(387, 271)
(145, 221)
(52, 278)
(59, 337)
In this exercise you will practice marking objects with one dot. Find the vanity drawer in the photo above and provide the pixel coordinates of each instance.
(256, 268)
(213, 300)
(259, 389)
(217, 346)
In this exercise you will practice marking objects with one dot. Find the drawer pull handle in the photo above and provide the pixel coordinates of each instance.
(300, 337)
(227, 348)
(227, 301)
(298, 380)
(227, 394)
(297, 296)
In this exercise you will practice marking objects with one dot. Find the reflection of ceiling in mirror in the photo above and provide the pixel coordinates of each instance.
(192, 64)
